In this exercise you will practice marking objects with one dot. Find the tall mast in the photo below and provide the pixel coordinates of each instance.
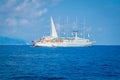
(67, 20)
(76, 26)
(84, 28)
(59, 25)
(67, 26)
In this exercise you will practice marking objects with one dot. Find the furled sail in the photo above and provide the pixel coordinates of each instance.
(53, 30)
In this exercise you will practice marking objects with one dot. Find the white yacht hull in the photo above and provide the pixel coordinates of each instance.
(63, 44)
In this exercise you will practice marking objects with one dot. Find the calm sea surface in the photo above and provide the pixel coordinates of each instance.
(38, 63)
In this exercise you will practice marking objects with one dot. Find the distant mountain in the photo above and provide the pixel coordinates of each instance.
(11, 41)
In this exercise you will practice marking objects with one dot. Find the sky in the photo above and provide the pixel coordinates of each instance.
(30, 19)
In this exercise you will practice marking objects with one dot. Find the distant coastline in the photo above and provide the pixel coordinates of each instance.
(11, 41)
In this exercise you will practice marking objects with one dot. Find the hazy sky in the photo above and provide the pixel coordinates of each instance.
(30, 19)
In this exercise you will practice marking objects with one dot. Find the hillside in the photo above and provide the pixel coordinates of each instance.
(11, 41)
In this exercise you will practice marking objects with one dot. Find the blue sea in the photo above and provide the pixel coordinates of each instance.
(77, 63)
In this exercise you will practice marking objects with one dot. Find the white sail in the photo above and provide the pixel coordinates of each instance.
(53, 30)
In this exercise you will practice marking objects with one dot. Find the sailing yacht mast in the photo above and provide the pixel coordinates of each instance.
(84, 28)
